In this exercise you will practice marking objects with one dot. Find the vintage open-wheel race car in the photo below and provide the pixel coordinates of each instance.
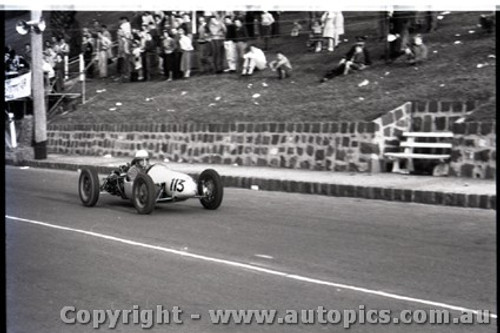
(153, 184)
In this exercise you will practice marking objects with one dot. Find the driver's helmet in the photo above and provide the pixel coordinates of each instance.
(141, 158)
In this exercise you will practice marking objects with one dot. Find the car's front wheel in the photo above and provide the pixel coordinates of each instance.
(144, 194)
(211, 188)
(88, 186)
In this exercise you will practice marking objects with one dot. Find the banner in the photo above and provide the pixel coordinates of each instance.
(18, 87)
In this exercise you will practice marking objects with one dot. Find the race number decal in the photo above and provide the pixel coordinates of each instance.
(177, 185)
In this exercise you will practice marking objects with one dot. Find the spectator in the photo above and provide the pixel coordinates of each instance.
(266, 22)
(126, 27)
(63, 47)
(203, 43)
(107, 35)
(168, 48)
(217, 35)
(177, 55)
(103, 44)
(137, 73)
(55, 44)
(90, 38)
(296, 29)
(241, 42)
(275, 31)
(229, 45)
(400, 22)
(281, 65)
(150, 54)
(15, 63)
(49, 55)
(96, 27)
(88, 56)
(358, 58)
(64, 50)
(384, 18)
(417, 51)
(186, 25)
(27, 52)
(159, 14)
(186, 47)
(316, 36)
(123, 55)
(253, 59)
(333, 27)
(59, 73)
(249, 23)
(147, 18)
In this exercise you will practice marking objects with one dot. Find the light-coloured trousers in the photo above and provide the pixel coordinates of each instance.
(102, 61)
(231, 55)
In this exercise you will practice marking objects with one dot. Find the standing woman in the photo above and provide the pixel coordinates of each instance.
(103, 44)
(186, 46)
(333, 23)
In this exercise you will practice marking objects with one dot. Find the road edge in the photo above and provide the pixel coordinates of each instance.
(336, 190)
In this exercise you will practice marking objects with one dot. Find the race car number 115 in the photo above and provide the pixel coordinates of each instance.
(177, 185)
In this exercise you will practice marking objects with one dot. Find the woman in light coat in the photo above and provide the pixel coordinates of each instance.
(333, 23)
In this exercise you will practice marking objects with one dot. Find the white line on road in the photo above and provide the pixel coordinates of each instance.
(265, 256)
(255, 268)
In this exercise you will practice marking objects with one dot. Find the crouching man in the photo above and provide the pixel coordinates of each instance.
(281, 65)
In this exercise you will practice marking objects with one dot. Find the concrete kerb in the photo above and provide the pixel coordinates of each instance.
(336, 190)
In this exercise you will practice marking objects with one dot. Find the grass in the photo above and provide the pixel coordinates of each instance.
(451, 73)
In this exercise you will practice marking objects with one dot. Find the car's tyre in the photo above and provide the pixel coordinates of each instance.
(211, 188)
(144, 194)
(88, 186)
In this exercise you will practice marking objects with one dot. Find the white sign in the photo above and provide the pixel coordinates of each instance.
(18, 87)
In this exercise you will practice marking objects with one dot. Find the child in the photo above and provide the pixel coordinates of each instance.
(137, 61)
(316, 36)
(417, 51)
(282, 65)
(296, 29)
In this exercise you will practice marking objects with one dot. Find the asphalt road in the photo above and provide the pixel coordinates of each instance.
(260, 250)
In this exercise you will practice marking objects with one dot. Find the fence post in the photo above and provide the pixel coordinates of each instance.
(82, 76)
(13, 136)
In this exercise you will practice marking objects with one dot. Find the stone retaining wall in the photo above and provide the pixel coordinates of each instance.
(334, 146)
(474, 150)
(436, 116)
(315, 146)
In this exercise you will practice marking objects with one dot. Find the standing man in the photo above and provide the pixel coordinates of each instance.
(266, 22)
(203, 45)
(217, 36)
(88, 56)
(241, 42)
(229, 45)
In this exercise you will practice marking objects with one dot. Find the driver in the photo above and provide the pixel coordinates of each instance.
(138, 164)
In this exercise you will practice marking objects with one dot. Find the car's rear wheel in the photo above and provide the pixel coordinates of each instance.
(211, 188)
(88, 186)
(144, 194)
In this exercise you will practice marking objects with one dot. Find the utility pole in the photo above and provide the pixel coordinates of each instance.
(38, 89)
